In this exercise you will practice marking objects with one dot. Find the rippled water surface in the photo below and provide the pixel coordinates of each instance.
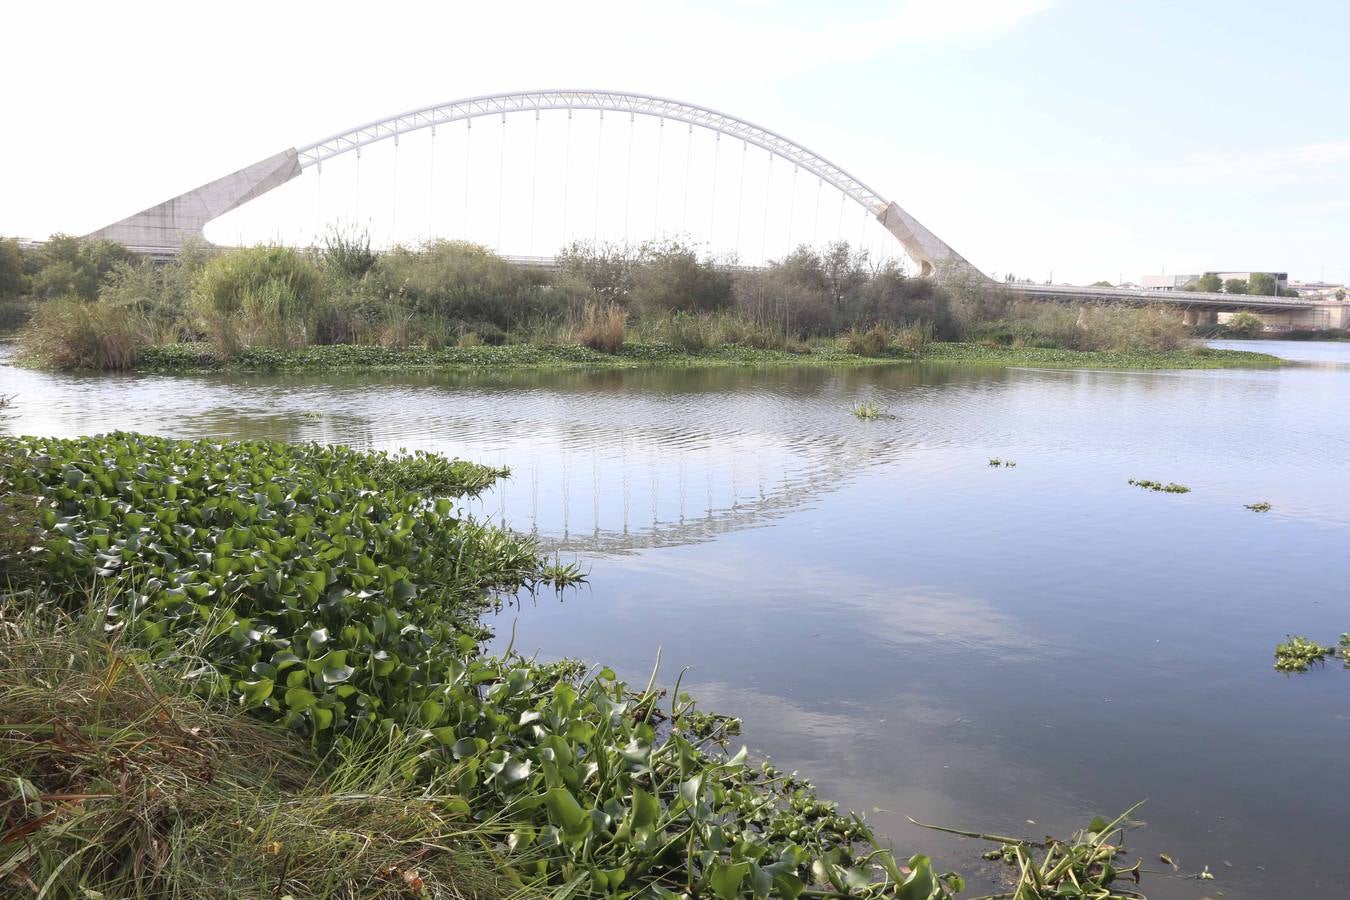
(921, 633)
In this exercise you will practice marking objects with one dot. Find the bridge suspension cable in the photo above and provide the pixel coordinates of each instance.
(768, 192)
(468, 167)
(712, 203)
(740, 193)
(501, 180)
(688, 158)
(534, 177)
(567, 168)
(628, 175)
(599, 156)
(660, 146)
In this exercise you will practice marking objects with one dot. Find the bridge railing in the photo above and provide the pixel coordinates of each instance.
(1167, 296)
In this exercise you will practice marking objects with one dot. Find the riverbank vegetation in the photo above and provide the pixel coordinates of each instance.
(271, 655)
(95, 306)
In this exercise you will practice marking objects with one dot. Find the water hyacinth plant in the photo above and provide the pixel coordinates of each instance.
(1298, 653)
(1263, 506)
(1087, 866)
(335, 595)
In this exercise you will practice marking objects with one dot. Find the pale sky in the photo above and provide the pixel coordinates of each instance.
(1088, 138)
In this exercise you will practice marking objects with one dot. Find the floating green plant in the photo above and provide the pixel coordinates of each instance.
(995, 462)
(870, 409)
(1299, 653)
(1169, 488)
(1085, 866)
(1263, 506)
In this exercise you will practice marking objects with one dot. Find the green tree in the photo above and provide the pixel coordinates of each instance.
(1262, 284)
(1235, 286)
(13, 281)
(845, 270)
(1209, 282)
(70, 265)
(1245, 325)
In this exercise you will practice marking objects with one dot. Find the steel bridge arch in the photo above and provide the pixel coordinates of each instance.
(168, 225)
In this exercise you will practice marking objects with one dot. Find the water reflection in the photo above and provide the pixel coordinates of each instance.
(924, 635)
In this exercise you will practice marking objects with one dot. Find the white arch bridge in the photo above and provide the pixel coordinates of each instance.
(168, 225)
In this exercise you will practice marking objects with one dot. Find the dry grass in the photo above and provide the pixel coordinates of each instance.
(71, 333)
(116, 783)
(602, 327)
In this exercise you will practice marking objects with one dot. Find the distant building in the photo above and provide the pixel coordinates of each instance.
(1320, 290)
(1167, 282)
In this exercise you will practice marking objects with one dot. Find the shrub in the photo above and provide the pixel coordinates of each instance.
(602, 327)
(891, 298)
(684, 332)
(347, 254)
(1245, 325)
(606, 270)
(158, 292)
(875, 341)
(461, 283)
(260, 295)
(671, 278)
(14, 314)
(913, 338)
(71, 333)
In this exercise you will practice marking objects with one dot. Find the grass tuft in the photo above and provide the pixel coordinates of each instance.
(119, 783)
(869, 410)
(602, 327)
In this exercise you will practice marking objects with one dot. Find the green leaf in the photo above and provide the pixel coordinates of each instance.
(689, 790)
(920, 885)
(564, 809)
(298, 699)
(255, 692)
(726, 880)
(429, 712)
(646, 808)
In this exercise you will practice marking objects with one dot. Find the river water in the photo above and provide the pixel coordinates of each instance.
(1002, 649)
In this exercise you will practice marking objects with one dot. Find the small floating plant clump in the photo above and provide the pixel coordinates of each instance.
(1298, 654)
(995, 462)
(1263, 506)
(1169, 488)
(870, 409)
(1088, 865)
